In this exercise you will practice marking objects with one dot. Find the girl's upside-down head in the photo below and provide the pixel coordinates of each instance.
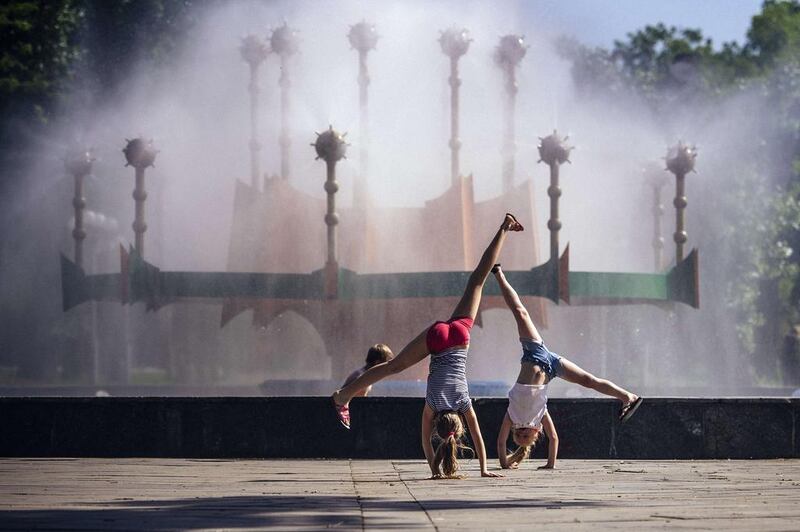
(450, 430)
(525, 438)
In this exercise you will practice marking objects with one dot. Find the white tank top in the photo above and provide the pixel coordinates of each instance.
(527, 405)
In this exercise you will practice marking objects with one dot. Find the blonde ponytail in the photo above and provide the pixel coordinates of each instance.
(450, 430)
(522, 451)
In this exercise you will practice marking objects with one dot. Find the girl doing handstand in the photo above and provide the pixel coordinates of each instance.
(447, 397)
(527, 400)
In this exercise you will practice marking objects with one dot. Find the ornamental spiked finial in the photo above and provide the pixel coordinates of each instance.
(681, 158)
(330, 145)
(553, 150)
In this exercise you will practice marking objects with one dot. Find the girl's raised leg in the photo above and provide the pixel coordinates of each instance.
(525, 325)
(415, 351)
(571, 372)
(471, 300)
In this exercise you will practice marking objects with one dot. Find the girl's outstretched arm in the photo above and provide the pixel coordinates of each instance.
(502, 440)
(477, 439)
(552, 445)
(427, 429)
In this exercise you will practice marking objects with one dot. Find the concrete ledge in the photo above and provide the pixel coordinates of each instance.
(383, 427)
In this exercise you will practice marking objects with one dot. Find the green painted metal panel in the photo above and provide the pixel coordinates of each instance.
(618, 285)
(145, 282)
(541, 281)
(77, 287)
(400, 285)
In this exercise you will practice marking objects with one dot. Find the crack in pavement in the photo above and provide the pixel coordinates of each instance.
(358, 494)
(421, 507)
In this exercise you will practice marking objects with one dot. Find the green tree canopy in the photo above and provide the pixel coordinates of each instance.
(667, 65)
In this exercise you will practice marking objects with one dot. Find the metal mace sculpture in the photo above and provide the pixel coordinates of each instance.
(140, 154)
(507, 56)
(284, 42)
(139, 280)
(680, 161)
(454, 43)
(656, 177)
(254, 52)
(554, 152)
(331, 147)
(363, 37)
(79, 164)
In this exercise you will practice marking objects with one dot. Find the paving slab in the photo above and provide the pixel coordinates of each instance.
(194, 494)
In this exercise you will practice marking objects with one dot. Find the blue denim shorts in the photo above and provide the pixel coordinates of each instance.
(537, 354)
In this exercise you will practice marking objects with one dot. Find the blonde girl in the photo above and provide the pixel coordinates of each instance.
(447, 403)
(527, 414)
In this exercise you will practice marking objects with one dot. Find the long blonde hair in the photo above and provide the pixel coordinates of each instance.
(522, 451)
(450, 430)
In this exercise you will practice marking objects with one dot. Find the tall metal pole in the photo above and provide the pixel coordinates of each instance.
(657, 178)
(140, 154)
(454, 43)
(554, 153)
(254, 51)
(507, 56)
(331, 147)
(363, 38)
(284, 42)
(79, 165)
(680, 161)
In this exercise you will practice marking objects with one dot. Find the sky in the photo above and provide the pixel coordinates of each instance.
(600, 22)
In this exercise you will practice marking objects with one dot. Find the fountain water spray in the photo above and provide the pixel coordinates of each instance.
(454, 43)
(284, 42)
(79, 164)
(363, 37)
(656, 178)
(254, 51)
(507, 56)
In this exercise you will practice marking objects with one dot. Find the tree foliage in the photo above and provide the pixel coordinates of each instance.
(668, 67)
(57, 54)
(37, 53)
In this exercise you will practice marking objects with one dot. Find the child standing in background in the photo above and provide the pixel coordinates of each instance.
(377, 354)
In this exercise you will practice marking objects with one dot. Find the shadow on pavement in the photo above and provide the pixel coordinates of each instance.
(251, 512)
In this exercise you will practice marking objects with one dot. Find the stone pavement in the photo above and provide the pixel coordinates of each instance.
(181, 494)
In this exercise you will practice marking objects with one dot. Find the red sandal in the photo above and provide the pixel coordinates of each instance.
(342, 413)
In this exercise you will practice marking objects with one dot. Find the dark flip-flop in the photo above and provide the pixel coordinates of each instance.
(342, 413)
(496, 268)
(521, 228)
(627, 412)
